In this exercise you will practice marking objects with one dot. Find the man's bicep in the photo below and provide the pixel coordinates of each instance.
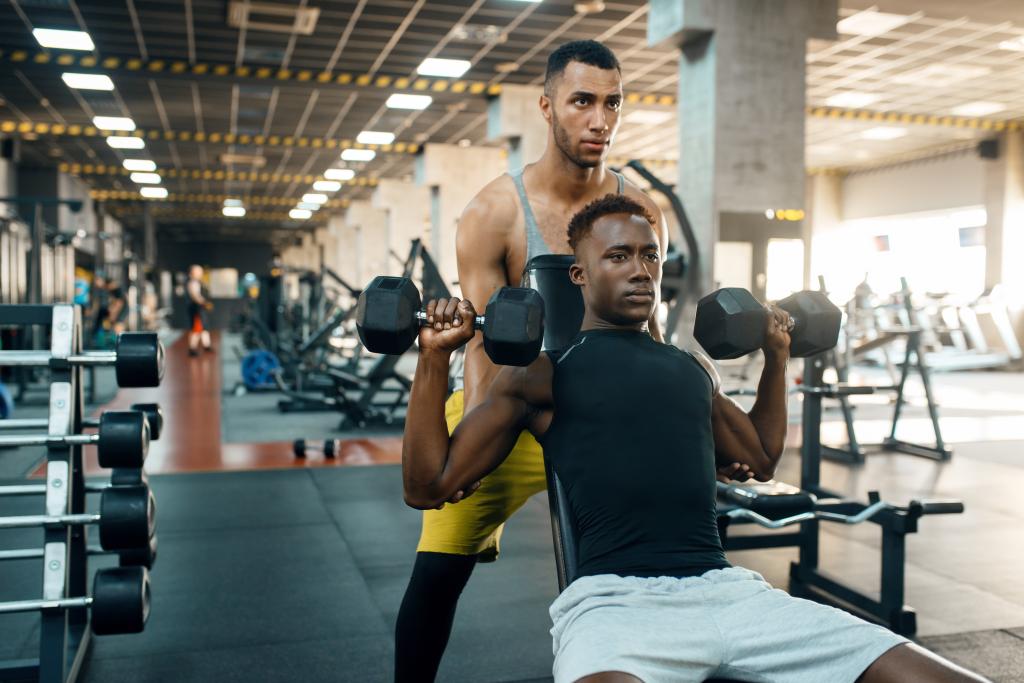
(485, 436)
(736, 440)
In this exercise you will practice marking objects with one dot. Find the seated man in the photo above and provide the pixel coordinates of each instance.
(634, 429)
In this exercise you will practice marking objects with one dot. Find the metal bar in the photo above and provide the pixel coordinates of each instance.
(35, 605)
(11, 358)
(47, 440)
(44, 520)
(39, 489)
(38, 553)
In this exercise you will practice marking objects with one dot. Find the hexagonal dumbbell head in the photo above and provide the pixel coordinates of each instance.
(386, 315)
(730, 323)
(514, 326)
(817, 323)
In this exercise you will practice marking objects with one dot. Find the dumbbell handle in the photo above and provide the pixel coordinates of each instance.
(40, 422)
(46, 439)
(36, 358)
(39, 553)
(35, 605)
(478, 322)
(39, 489)
(44, 520)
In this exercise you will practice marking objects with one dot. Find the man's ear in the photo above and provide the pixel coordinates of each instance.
(577, 275)
(545, 107)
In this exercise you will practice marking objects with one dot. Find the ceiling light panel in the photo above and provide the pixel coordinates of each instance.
(139, 165)
(145, 178)
(404, 101)
(375, 137)
(87, 81)
(327, 186)
(62, 39)
(125, 142)
(358, 155)
(446, 68)
(339, 174)
(870, 22)
(154, 192)
(113, 123)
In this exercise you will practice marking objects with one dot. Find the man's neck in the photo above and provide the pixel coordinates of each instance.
(594, 323)
(565, 179)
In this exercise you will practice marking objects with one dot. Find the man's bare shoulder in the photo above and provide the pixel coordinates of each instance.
(494, 208)
(530, 384)
(634, 191)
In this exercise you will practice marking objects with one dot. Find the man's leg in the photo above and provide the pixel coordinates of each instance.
(427, 614)
(911, 662)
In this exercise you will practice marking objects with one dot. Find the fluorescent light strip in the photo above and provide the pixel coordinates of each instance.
(358, 155)
(154, 192)
(145, 178)
(403, 101)
(139, 165)
(87, 81)
(375, 137)
(339, 174)
(233, 211)
(113, 123)
(313, 198)
(125, 142)
(308, 206)
(446, 68)
(232, 202)
(327, 186)
(62, 39)
(300, 214)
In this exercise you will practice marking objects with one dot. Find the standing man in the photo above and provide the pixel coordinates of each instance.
(514, 218)
(198, 298)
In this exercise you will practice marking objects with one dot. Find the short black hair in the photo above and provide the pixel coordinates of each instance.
(586, 51)
(581, 223)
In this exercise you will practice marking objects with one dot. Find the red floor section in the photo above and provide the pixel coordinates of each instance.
(190, 398)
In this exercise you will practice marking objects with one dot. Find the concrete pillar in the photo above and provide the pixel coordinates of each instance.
(407, 206)
(371, 244)
(346, 248)
(1004, 233)
(741, 100)
(514, 117)
(821, 230)
(453, 175)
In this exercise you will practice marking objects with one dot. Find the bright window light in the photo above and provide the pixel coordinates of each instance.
(146, 178)
(300, 214)
(851, 99)
(124, 142)
(978, 109)
(871, 22)
(139, 165)
(233, 211)
(883, 133)
(232, 202)
(447, 68)
(87, 81)
(375, 137)
(327, 186)
(154, 192)
(358, 155)
(648, 116)
(308, 206)
(63, 39)
(403, 101)
(113, 123)
(1014, 45)
(313, 198)
(339, 174)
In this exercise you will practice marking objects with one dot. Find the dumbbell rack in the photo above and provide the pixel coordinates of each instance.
(64, 635)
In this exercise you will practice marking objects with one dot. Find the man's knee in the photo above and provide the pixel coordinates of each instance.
(442, 574)
(610, 677)
(911, 662)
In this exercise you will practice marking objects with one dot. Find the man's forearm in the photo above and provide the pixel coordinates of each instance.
(478, 373)
(769, 413)
(425, 443)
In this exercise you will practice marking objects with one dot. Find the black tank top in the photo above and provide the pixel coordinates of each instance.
(631, 443)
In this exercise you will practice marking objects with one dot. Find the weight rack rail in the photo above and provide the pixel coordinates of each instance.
(64, 637)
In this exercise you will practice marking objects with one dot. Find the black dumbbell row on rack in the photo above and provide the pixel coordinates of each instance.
(125, 520)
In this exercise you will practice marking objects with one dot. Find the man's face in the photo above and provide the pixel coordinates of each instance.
(619, 267)
(583, 111)
(196, 273)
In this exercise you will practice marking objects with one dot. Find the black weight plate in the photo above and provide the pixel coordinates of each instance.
(121, 598)
(123, 439)
(127, 517)
(140, 360)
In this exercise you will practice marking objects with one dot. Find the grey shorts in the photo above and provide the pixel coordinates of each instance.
(727, 623)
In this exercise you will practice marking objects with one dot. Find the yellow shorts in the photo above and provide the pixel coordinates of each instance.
(473, 526)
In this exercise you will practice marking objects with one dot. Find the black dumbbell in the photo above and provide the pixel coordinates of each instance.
(390, 312)
(127, 518)
(154, 416)
(144, 556)
(119, 602)
(301, 448)
(730, 323)
(122, 440)
(138, 359)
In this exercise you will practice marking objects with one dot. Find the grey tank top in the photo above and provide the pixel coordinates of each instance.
(535, 246)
